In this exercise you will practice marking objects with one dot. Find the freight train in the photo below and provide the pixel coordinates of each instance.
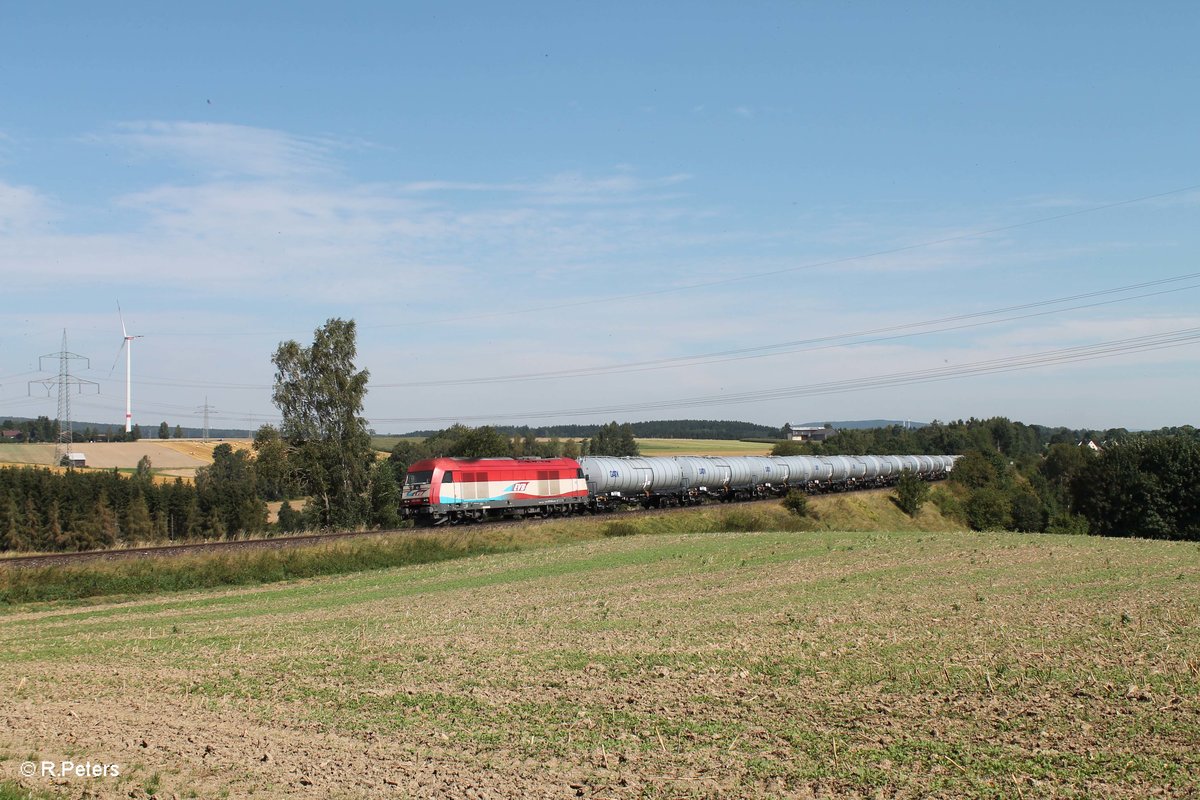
(438, 491)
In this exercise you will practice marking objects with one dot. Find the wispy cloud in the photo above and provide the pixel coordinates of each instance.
(223, 149)
(21, 208)
(566, 187)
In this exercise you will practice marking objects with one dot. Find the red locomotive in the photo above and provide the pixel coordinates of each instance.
(440, 490)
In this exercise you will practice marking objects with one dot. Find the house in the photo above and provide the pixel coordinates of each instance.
(74, 460)
(800, 433)
(12, 435)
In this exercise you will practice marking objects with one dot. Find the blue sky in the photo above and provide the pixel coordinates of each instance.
(588, 202)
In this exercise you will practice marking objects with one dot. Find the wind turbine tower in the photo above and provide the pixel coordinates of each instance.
(127, 346)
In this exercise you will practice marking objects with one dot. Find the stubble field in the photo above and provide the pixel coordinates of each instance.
(703, 665)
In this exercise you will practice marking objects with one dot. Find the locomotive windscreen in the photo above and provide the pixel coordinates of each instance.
(414, 478)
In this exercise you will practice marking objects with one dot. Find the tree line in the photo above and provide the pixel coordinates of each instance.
(1135, 485)
(655, 429)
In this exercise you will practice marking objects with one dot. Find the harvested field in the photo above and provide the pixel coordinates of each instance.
(170, 458)
(706, 665)
(34, 454)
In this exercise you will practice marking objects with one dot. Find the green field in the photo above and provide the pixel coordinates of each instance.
(680, 665)
(701, 447)
(384, 444)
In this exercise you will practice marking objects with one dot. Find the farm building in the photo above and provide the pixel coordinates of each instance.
(800, 433)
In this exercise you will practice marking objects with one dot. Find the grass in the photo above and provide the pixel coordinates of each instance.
(10, 790)
(701, 447)
(122, 579)
(753, 664)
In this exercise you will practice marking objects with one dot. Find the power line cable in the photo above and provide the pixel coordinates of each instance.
(759, 351)
(765, 351)
(1067, 355)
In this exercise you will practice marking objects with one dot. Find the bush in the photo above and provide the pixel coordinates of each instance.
(1071, 524)
(911, 493)
(797, 503)
(989, 510)
(1028, 513)
(949, 504)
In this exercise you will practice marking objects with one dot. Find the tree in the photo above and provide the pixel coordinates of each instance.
(10, 525)
(138, 526)
(989, 509)
(385, 496)
(271, 464)
(290, 520)
(483, 442)
(228, 488)
(911, 492)
(1028, 514)
(178, 432)
(405, 453)
(320, 396)
(143, 467)
(1144, 486)
(977, 469)
(164, 432)
(614, 440)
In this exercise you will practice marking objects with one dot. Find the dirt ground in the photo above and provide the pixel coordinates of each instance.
(729, 665)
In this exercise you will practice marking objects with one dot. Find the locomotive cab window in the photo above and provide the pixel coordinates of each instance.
(448, 476)
(414, 478)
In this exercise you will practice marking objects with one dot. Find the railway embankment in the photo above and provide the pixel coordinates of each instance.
(121, 574)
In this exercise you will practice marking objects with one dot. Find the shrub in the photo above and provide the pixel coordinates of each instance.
(797, 503)
(1028, 513)
(911, 493)
(949, 504)
(989, 510)
(1072, 524)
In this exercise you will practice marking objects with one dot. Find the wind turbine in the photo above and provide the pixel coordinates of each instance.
(127, 346)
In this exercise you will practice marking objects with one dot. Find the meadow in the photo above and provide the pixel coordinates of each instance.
(684, 664)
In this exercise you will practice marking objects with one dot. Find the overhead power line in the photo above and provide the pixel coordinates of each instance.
(815, 343)
(767, 350)
(1137, 344)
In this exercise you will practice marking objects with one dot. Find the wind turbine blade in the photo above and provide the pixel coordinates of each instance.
(120, 350)
(124, 332)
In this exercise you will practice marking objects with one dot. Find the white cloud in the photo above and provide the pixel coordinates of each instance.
(224, 149)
